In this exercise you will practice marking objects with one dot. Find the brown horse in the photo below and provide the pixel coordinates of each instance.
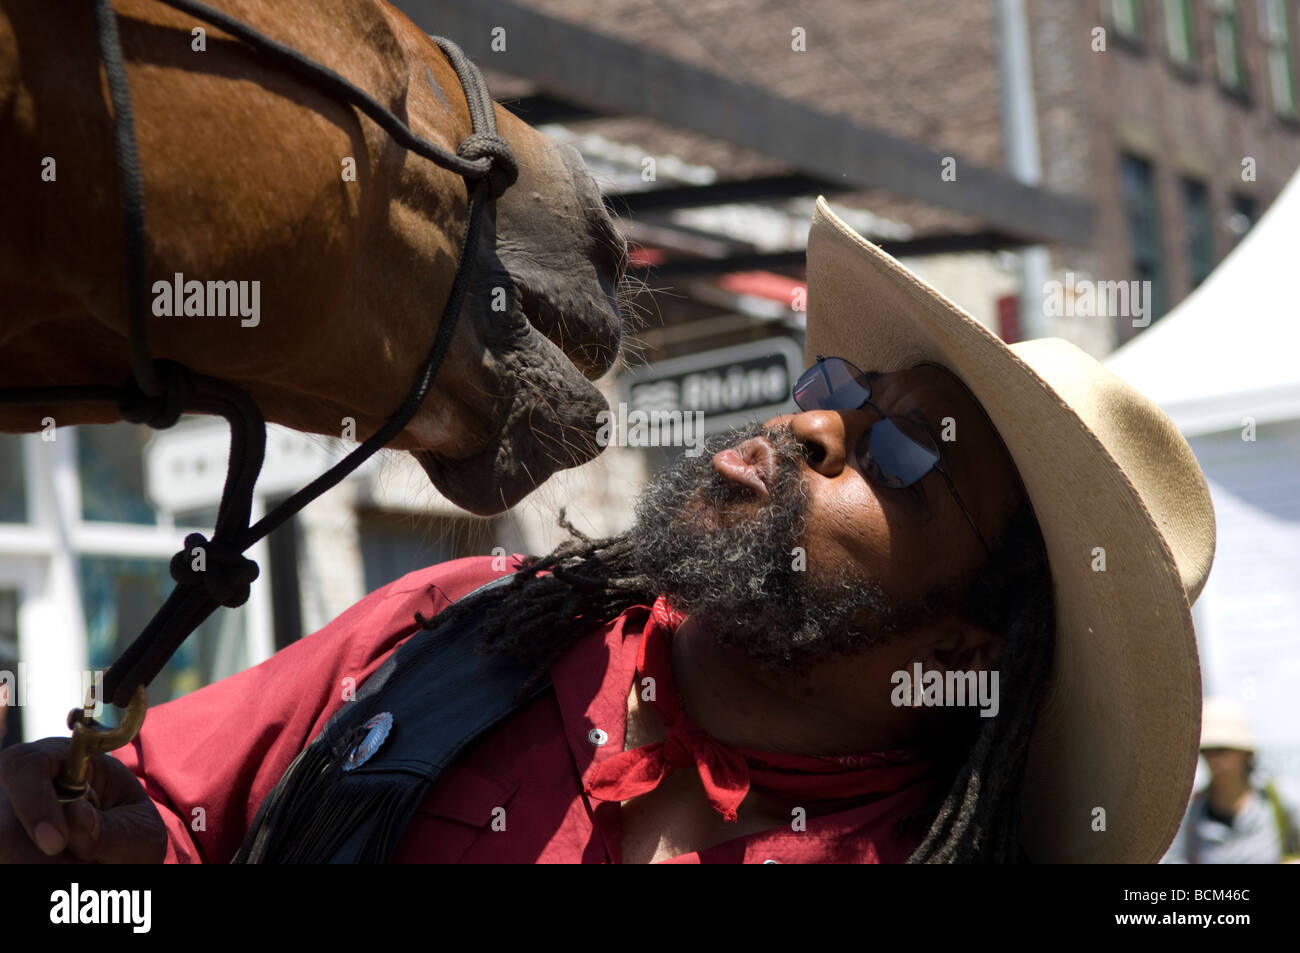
(342, 244)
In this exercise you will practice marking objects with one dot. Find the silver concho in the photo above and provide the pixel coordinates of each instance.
(377, 730)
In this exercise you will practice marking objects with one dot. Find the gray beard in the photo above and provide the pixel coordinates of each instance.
(736, 574)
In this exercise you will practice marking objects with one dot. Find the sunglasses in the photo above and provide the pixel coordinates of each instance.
(900, 451)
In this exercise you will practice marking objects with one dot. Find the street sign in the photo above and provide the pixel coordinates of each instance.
(730, 386)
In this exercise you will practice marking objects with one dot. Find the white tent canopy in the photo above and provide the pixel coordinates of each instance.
(1232, 349)
(1227, 354)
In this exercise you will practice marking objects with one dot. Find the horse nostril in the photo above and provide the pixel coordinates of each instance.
(609, 247)
(611, 239)
(610, 251)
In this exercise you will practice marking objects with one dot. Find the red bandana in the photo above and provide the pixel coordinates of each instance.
(726, 771)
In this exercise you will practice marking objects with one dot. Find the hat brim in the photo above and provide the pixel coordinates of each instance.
(1113, 752)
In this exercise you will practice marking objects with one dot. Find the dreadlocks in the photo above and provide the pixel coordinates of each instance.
(978, 819)
(554, 599)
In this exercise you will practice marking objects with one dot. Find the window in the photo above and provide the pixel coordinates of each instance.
(13, 488)
(1227, 46)
(110, 459)
(1277, 37)
(1126, 16)
(1180, 31)
(1199, 230)
(120, 595)
(1143, 208)
(1244, 215)
(393, 544)
(282, 554)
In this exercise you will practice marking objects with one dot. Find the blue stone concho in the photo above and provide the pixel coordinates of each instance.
(377, 730)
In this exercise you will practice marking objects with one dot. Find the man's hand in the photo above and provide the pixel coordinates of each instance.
(35, 828)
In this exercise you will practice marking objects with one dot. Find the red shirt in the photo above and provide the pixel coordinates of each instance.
(209, 759)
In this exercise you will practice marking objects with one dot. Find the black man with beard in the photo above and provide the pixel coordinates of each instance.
(730, 680)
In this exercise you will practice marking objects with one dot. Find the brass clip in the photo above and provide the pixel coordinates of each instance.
(90, 738)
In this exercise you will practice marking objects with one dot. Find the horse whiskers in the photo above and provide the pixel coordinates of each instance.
(574, 452)
(651, 294)
(631, 285)
(635, 314)
(634, 352)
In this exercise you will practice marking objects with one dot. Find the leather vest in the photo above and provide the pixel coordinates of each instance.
(349, 796)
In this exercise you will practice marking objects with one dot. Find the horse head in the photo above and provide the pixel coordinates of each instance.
(295, 248)
(540, 323)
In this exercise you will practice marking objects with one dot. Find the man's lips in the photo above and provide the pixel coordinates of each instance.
(751, 462)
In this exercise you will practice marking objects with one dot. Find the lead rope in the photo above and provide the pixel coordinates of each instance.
(159, 391)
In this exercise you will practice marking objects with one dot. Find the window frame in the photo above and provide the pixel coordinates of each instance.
(1128, 28)
(1238, 202)
(1276, 32)
(1200, 241)
(17, 501)
(1187, 16)
(1227, 15)
(1146, 233)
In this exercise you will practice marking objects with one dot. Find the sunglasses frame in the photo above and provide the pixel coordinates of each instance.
(864, 381)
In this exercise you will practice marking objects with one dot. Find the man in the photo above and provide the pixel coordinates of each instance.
(941, 615)
(1232, 821)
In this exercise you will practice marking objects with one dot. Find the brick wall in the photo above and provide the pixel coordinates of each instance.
(1133, 98)
(927, 70)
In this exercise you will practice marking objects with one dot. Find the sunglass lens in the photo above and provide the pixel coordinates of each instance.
(811, 388)
(831, 384)
(902, 451)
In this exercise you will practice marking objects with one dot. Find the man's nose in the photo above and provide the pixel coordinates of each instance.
(826, 435)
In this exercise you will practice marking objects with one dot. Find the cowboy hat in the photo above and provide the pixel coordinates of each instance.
(1224, 725)
(1104, 467)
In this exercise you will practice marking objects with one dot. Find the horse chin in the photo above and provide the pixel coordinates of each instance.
(534, 438)
(484, 484)
(494, 479)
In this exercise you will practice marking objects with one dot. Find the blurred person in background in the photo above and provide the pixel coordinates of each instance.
(1231, 820)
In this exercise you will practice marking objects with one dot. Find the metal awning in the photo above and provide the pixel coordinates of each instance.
(580, 69)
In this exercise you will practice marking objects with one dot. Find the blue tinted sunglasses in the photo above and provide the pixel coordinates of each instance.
(900, 451)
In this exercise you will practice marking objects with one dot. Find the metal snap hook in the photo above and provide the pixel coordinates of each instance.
(90, 738)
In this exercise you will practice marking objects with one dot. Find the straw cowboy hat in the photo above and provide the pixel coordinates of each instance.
(1119, 728)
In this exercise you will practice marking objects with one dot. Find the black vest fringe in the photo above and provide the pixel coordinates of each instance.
(442, 695)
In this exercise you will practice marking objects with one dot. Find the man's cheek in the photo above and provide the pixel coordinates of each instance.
(836, 540)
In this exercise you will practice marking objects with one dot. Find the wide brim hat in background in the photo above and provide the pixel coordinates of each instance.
(1104, 467)
(1224, 725)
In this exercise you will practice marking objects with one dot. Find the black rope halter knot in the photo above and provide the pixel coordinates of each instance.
(504, 170)
(226, 574)
(159, 411)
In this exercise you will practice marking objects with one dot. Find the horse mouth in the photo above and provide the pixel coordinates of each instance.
(549, 422)
(484, 484)
(565, 331)
(497, 477)
(586, 328)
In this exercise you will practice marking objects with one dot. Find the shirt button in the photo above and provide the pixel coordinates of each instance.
(597, 737)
